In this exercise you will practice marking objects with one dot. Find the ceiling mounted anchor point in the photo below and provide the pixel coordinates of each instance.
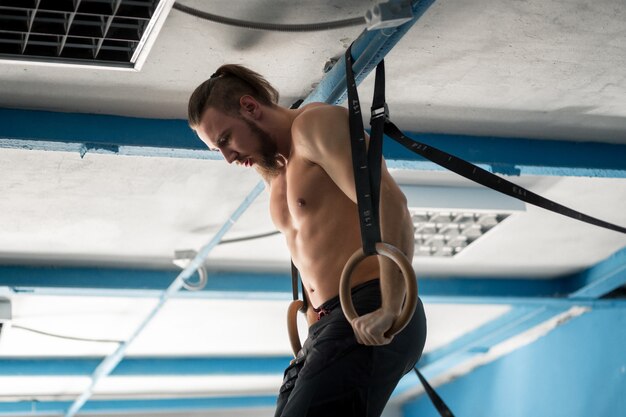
(182, 259)
(389, 14)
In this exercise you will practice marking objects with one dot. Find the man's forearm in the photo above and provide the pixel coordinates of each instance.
(392, 286)
(397, 230)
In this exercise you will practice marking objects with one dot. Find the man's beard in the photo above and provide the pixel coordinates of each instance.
(269, 165)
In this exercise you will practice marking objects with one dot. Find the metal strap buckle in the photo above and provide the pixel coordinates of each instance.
(380, 112)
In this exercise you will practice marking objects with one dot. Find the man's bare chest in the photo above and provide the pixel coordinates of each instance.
(301, 191)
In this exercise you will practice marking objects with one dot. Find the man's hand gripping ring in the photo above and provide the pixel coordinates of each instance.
(410, 281)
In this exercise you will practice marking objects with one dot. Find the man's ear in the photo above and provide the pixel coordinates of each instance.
(249, 107)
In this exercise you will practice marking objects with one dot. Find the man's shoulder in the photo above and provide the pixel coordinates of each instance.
(315, 130)
(321, 110)
(316, 117)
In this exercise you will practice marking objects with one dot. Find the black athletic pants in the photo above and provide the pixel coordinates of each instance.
(333, 375)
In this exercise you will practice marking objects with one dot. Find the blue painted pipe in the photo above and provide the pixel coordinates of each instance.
(367, 50)
(111, 361)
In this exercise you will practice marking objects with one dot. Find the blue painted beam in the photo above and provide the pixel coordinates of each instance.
(517, 156)
(96, 131)
(147, 366)
(602, 278)
(145, 282)
(121, 282)
(82, 133)
(28, 277)
(493, 287)
(46, 408)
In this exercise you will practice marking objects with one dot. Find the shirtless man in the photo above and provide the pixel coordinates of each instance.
(344, 369)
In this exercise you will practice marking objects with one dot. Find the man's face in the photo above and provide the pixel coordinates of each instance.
(238, 139)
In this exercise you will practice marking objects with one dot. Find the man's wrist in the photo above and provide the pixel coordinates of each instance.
(391, 309)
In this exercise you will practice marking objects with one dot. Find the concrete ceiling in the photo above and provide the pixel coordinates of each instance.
(491, 67)
(540, 70)
(545, 70)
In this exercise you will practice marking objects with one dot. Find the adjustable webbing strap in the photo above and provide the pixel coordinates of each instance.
(486, 178)
(367, 174)
(439, 404)
(467, 169)
(366, 165)
(294, 271)
(375, 153)
(379, 123)
(294, 281)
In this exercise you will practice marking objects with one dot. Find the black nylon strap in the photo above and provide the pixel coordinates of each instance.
(367, 175)
(486, 178)
(367, 188)
(294, 282)
(439, 404)
(294, 271)
(375, 152)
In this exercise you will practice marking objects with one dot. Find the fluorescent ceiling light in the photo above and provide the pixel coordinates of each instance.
(448, 219)
(445, 233)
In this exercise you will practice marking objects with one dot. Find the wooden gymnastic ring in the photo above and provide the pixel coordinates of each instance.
(396, 255)
(292, 326)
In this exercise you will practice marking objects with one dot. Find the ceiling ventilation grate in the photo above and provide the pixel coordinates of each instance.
(447, 233)
(103, 33)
